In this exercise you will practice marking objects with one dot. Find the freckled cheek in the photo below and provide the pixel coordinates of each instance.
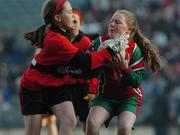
(120, 29)
(117, 30)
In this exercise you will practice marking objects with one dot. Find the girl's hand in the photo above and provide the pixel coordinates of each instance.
(89, 97)
(122, 62)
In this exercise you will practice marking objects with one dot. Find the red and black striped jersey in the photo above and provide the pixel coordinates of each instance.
(49, 67)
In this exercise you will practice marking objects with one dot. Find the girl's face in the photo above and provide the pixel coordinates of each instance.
(76, 25)
(64, 18)
(117, 25)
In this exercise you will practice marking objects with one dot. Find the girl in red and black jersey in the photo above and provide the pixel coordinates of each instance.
(43, 85)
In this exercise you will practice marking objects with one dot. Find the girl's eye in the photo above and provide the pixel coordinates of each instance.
(117, 21)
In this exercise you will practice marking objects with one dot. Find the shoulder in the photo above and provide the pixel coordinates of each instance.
(104, 38)
(56, 41)
(136, 54)
(85, 39)
(131, 44)
(101, 39)
(54, 37)
(134, 47)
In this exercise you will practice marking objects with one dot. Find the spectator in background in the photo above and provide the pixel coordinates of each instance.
(9, 42)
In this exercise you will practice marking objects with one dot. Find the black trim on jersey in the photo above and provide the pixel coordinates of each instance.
(78, 37)
(110, 51)
(92, 36)
(81, 59)
(61, 70)
(55, 28)
(55, 70)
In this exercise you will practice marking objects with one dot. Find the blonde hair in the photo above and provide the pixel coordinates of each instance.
(151, 55)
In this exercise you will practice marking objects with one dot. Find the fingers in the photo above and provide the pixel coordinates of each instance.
(128, 57)
(89, 98)
(122, 40)
(86, 97)
(125, 35)
(117, 37)
(120, 57)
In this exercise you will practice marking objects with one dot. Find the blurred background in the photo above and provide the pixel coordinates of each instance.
(159, 20)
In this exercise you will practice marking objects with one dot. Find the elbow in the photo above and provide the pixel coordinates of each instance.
(135, 83)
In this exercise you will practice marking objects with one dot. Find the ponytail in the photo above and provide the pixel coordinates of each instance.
(48, 10)
(37, 36)
(151, 55)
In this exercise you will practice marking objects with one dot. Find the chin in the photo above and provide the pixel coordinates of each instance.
(114, 35)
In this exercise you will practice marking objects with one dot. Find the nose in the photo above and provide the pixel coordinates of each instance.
(112, 23)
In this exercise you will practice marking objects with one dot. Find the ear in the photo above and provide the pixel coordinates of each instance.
(57, 18)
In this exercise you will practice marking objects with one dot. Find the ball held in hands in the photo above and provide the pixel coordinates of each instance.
(116, 44)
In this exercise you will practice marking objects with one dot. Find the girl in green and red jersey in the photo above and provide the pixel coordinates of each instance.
(121, 94)
(44, 84)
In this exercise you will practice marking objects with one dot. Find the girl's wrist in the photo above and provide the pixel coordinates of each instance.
(126, 71)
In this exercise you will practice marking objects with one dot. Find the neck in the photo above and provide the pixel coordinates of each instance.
(58, 29)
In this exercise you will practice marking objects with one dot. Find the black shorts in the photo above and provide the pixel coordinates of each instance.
(40, 101)
(79, 91)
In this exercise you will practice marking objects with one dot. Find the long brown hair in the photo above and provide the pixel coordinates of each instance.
(37, 36)
(151, 55)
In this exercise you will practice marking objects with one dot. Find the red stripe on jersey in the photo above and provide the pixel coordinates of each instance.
(139, 65)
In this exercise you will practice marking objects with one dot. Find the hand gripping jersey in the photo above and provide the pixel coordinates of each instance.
(117, 84)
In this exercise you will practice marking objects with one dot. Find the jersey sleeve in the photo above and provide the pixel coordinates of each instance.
(93, 60)
(86, 43)
(58, 51)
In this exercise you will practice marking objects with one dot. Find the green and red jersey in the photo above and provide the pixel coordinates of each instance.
(117, 84)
